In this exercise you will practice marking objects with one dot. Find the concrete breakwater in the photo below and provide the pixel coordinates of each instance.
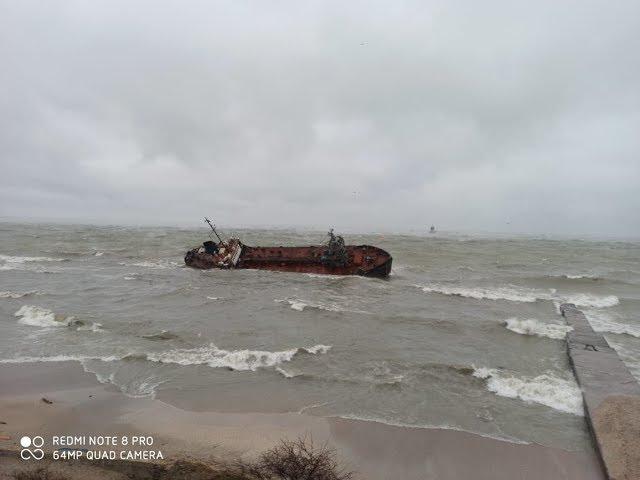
(611, 396)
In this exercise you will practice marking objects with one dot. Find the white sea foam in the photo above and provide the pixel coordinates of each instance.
(514, 294)
(546, 389)
(630, 356)
(41, 317)
(317, 349)
(300, 305)
(98, 254)
(159, 264)
(59, 358)
(285, 373)
(588, 300)
(326, 276)
(521, 294)
(234, 359)
(297, 305)
(17, 295)
(8, 262)
(92, 327)
(605, 322)
(535, 327)
(20, 260)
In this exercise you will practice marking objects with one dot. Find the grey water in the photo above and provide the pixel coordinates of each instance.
(465, 333)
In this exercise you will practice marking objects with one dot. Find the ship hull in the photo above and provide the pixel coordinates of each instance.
(362, 260)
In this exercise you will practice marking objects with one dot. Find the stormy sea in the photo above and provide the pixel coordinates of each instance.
(465, 334)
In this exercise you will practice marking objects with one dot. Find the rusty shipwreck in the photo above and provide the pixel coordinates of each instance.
(330, 258)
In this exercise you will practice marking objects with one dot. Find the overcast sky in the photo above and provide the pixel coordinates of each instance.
(494, 116)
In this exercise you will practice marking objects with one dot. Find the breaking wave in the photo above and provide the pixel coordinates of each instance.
(158, 264)
(546, 389)
(537, 328)
(496, 293)
(603, 322)
(21, 260)
(18, 295)
(59, 358)
(522, 294)
(232, 359)
(301, 305)
(580, 277)
(588, 300)
(326, 276)
(162, 335)
(43, 317)
(287, 374)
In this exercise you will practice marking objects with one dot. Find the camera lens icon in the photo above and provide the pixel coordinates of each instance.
(37, 453)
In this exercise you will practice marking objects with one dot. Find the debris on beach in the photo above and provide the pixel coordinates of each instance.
(46, 400)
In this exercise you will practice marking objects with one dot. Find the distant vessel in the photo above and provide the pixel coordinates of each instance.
(331, 258)
(432, 229)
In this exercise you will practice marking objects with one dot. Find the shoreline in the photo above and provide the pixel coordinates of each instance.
(83, 406)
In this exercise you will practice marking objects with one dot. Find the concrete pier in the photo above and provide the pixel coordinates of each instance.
(611, 396)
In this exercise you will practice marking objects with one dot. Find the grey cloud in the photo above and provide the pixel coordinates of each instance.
(462, 114)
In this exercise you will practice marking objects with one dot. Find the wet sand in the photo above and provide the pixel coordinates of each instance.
(376, 451)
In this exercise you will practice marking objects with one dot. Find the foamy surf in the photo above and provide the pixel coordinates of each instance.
(522, 294)
(158, 264)
(58, 358)
(285, 373)
(234, 359)
(43, 317)
(580, 277)
(605, 323)
(513, 294)
(546, 389)
(301, 305)
(20, 260)
(589, 300)
(14, 295)
(535, 327)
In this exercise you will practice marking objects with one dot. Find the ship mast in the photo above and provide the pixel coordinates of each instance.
(213, 227)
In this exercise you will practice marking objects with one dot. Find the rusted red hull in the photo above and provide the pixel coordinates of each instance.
(363, 260)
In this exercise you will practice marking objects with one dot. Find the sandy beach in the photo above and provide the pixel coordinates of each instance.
(82, 406)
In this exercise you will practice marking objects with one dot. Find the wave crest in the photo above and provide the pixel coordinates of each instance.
(603, 322)
(43, 317)
(521, 294)
(233, 359)
(18, 295)
(537, 328)
(546, 389)
(20, 260)
(481, 293)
